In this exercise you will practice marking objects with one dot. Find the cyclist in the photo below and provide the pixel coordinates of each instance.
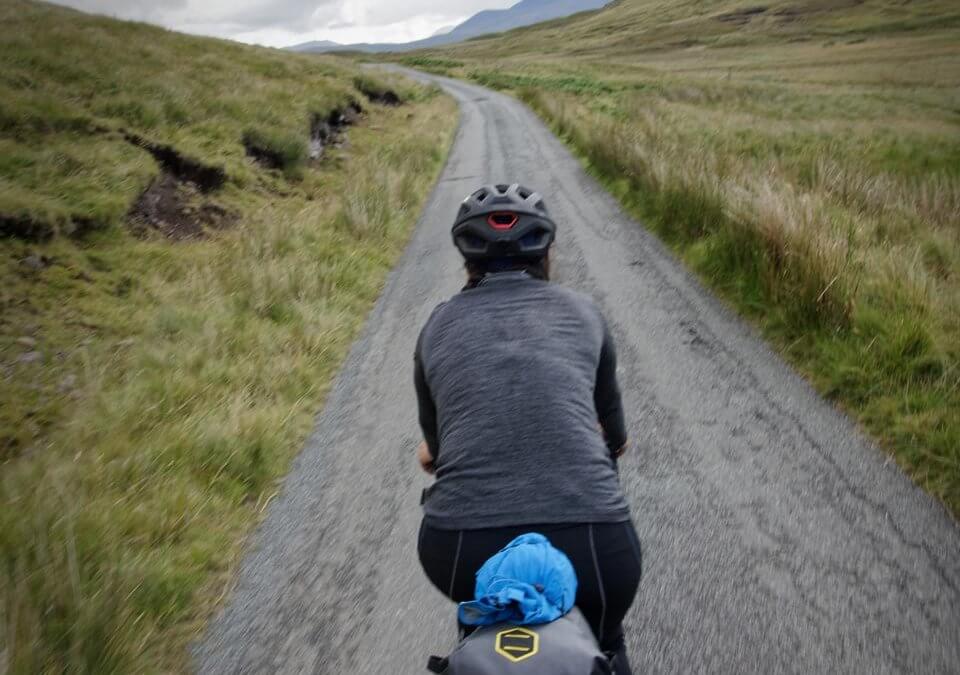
(522, 418)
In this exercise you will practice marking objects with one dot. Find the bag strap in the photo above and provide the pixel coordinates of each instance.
(438, 664)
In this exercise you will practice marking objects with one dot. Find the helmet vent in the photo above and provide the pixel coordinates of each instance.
(503, 220)
(524, 193)
(535, 239)
(502, 189)
(471, 242)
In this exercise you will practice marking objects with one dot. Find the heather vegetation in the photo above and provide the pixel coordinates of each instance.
(173, 307)
(803, 157)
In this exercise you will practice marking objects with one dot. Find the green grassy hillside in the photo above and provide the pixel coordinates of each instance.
(803, 156)
(181, 273)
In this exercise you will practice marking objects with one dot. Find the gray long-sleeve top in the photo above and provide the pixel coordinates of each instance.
(512, 379)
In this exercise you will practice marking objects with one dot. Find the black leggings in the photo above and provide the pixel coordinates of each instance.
(605, 556)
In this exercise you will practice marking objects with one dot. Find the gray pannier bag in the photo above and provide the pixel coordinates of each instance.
(563, 647)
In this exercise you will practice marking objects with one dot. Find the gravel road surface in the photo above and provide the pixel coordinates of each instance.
(777, 539)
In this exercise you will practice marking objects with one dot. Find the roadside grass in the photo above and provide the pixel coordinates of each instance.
(65, 164)
(154, 392)
(434, 65)
(804, 160)
(174, 385)
(384, 88)
(287, 152)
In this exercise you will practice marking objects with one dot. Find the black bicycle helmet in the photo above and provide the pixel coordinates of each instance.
(503, 221)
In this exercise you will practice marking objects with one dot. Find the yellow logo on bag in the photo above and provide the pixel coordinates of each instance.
(517, 644)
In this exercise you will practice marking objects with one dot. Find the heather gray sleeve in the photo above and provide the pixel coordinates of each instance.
(606, 395)
(427, 409)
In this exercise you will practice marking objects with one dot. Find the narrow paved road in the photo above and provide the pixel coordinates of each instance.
(776, 539)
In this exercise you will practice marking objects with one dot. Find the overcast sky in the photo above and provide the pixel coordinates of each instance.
(284, 22)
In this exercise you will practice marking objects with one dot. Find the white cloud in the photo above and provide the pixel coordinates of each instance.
(404, 31)
(284, 22)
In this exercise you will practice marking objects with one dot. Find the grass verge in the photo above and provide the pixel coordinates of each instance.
(154, 391)
(867, 327)
(171, 387)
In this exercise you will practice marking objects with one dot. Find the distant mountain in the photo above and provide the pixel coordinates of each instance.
(444, 31)
(523, 13)
(315, 46)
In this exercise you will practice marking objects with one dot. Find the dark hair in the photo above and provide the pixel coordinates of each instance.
(538, 268)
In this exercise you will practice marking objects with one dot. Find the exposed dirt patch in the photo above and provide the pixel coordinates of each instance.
(741, 16)
(174, 208)
(260, 151)
(378, 94)
(25, 227)
(176, 167)
(79, 225)
(206, 178)
(387, 97)
(36, 262)
(173, 205)
(30, 229)
(326, 131)
(797, 10)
